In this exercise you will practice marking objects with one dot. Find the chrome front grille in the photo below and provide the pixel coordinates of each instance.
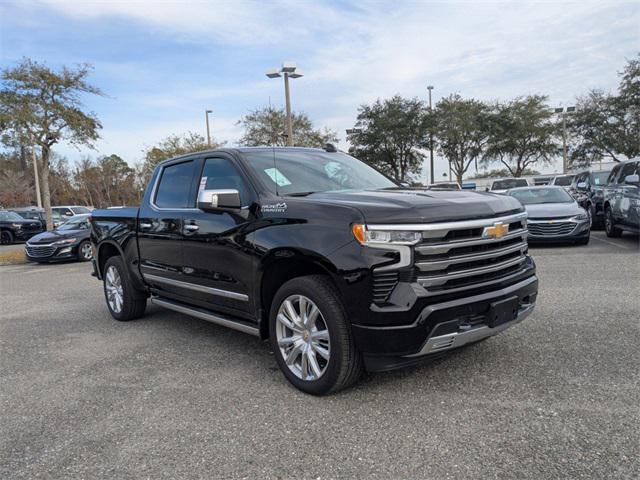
(460, 255)
(551, 228)
(35, 251)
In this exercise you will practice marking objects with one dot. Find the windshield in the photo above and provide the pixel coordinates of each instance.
(76, 223)
(563, 181)
(10, 217)
(535, 196)
(29, 215)
(600, 178)
(78, 210)
(509, 183)
(303, 172)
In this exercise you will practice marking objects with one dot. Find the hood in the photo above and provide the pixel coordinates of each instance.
(420, 206)
(55, 235)
(553, 210)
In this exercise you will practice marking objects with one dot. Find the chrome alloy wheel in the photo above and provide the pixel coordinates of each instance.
(86, 252)
(303, 337)
(113, 288)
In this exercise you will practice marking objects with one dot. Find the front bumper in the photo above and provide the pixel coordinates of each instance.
(581, 230)
(51, 253)
(441, 327)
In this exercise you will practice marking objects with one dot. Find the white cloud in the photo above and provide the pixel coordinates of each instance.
(355, 53)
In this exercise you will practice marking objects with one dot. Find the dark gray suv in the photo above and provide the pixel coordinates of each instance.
(622, 199)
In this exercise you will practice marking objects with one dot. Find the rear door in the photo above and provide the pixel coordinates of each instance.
(160, 223)
(217, 262)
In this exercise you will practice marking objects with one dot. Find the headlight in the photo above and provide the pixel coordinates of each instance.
(16, 225)
(66, 241)
(381, 237)
(581, 217)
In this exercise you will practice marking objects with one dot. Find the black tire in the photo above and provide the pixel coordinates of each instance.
(81, 248)
(6, 237)
(344, 366)
(609, 225)
(134, 301)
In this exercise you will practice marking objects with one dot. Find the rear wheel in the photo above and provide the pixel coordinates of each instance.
(311, 336)
(609, 225)
(123, 300)
(6, 237)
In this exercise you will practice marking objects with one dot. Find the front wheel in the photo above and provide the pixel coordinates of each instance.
(123, 300)
(84, 251)
(609, 226)
(311, 336)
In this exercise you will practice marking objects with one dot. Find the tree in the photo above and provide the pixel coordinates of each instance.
(503, 172)
(389, 134)
(462, 131)
(267, 126)
(606, 125)
(44, 106)
(522, 134)
(173, 146)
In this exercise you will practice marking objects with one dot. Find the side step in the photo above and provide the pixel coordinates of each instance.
(204, 315)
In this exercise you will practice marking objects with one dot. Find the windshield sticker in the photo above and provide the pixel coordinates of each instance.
(203, 183)
(277, 177)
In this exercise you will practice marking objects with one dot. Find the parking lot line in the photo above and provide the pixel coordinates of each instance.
(610, 242)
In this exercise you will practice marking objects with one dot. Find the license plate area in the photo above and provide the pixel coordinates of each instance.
(502, 311)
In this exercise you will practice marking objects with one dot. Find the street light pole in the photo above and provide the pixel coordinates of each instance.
(564, 112)
(288, 70)
(288, 106)
(206, 114)
(430, 87)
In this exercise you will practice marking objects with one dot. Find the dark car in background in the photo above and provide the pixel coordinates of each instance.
(70, 241)
(588, 189)
(553, 215)
(37, 213)
(622, 199)
(501, 186)
(15, 228)
(562, 181)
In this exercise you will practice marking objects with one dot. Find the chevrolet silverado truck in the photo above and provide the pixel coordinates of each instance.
(341, 268)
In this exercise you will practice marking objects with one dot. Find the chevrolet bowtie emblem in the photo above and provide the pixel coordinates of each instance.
(498, 230)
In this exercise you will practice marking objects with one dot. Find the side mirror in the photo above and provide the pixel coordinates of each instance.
(405, 184)
(216, 199)
(486, 189)
(581, 186)
(632, 179)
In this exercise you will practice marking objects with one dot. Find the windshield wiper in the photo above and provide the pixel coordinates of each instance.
(298, 194)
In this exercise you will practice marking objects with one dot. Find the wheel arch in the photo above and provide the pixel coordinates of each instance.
(106, 250)
(280, 267)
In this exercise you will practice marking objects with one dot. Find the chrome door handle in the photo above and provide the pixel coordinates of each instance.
(191, 228)
(145, 225)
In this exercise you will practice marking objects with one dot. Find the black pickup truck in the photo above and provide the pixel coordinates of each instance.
(338, 266)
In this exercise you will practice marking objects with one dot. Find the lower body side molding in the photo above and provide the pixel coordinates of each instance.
(205, 315)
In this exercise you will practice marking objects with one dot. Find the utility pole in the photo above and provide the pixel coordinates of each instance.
(288, 104)
(206, 114)
(35, 173)
(430, 87)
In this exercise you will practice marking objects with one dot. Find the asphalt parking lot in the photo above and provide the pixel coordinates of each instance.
(169, 396)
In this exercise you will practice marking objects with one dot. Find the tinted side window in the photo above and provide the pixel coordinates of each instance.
(613, 174)
(175, 185)
(219, 173)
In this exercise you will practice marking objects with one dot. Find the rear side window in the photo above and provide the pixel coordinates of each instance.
(175, 185)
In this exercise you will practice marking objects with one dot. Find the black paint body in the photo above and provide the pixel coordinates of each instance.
(250, 251)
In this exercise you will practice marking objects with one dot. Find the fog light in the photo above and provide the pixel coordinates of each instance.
(64, 250)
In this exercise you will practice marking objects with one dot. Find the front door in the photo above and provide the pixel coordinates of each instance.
(216, 259)
(160, 227)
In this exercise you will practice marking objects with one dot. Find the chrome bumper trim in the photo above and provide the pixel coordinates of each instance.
(458, 339)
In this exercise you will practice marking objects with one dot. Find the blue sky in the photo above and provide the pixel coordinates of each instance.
(162, 63)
